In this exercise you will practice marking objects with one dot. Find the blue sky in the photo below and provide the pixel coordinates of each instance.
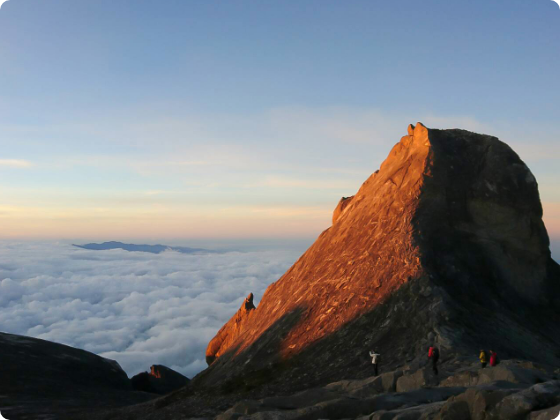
(205, 119)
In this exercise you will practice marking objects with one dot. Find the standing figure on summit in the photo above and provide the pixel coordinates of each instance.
(493, 358)
(483, 359)
(374, 359)
(433, 353)
(249, 305)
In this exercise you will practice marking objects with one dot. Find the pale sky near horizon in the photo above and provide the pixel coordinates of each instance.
(124, 119)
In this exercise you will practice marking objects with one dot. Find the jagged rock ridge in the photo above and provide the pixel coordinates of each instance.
(230, 331)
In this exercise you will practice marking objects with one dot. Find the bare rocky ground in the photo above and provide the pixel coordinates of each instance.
(513, 390)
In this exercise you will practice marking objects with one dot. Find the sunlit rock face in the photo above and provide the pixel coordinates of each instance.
(230, 331)
(342, 205)
(444, 244)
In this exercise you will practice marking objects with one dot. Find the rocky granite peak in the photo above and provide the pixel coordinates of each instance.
(444, 244)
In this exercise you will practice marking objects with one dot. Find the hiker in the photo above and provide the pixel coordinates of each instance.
(483, 359)
(433, 353)
(374, 359)
(493, 358)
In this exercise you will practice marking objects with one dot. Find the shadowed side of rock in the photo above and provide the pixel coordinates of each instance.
(481, 201)
(160, 380)
(41, 378)
(479, 227)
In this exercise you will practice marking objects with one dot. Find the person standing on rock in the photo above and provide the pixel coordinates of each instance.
(433, 353)
(483, 358)
(249, 305)
(374, 359)
(493, 358)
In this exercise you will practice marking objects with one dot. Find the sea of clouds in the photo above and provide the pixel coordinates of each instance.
(137, 308)
(134, 307)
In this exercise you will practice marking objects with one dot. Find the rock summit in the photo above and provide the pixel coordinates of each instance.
(444, 245)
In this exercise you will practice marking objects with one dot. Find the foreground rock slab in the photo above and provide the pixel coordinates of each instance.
(41, 379)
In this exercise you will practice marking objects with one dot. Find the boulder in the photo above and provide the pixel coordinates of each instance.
(476, 402)
(241, 408)
(454, 410)
(465, 378)
(160, 380)
(389, 380)
(509, 371)
(536, 398)
(301, 399)
(423, 378)
(551, 413)
(386, 382)
(357, 387)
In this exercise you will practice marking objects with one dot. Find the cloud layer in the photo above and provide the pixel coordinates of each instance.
(137, 308)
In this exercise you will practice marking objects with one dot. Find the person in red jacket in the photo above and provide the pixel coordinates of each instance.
(433, 354)
(493, 358)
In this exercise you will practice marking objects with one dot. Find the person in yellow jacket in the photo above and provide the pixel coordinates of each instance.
(483, 359)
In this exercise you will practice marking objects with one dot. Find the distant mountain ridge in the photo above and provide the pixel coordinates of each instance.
(153, 249)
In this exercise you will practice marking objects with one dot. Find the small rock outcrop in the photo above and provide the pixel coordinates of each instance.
(230, 331)
(342, 205)
(160, 380)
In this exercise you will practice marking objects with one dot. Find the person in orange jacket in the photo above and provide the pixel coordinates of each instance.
(483, 358)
